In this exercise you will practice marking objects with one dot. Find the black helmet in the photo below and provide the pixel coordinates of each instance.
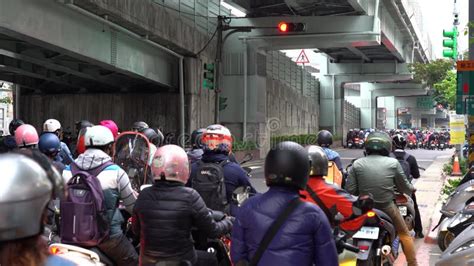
(139, 126)
(153, 136)
(14, 124)
(399, 142)
(318, 161)
(378, 142)
(324, 138)
(196, 138)
(83, 124)
(287, 164)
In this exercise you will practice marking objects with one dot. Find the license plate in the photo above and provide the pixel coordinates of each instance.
(403, 210)
(367, 232)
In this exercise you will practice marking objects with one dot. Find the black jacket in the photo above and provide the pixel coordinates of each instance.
(164, 215)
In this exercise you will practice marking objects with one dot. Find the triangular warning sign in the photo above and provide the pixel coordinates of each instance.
(302, 58)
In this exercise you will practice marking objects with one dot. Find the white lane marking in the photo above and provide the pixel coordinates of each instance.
(254, 167)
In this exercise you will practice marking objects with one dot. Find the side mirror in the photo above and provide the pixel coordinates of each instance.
(247, 158)
(363, 204)
(240, 195)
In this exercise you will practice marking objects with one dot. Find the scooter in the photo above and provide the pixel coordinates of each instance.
(441, 145)
(461, 250)
(406, 206)
(462, 220)
(350, 144)
(411, 145)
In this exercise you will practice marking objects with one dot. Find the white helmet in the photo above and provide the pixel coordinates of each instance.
(217, 138)
(98, 136)
(51, 125)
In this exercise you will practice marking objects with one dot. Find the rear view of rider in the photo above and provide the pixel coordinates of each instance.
(304, 237)
(217, 142)
(399, 143)
(54, 126)
(50, 145)
(8, 143)
(27, 187)
(325, 141)
(165, 213)
(378, 174)
(26, 137)
(116, 186)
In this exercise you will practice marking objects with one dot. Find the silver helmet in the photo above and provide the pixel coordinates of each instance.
(318, 161)
(25, 189)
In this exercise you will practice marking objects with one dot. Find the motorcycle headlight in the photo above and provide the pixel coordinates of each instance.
(459, 218)
(463, 247)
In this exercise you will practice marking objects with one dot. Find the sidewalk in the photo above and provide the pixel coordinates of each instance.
(428, 195)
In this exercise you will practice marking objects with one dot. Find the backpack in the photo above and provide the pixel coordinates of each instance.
(402, 157)
(334, 175)
(84, 219)
(209, 183)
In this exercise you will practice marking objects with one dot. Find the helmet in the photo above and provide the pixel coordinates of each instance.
(378, 142)
(153, 136)
(324, 138)
(49, 143)
(217, 138)
(196, 138)
(111, 126)
(318, 161)
(26, 186)
(170, 163)
(83, 124)
(26, 135)
(399, 142)
(287, 164)
(51, 125)
(98, 136)
(14, 124)
(139, 126)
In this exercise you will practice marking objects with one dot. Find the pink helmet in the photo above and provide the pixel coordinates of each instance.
(26, 135)
(170, 163)
(110, 124)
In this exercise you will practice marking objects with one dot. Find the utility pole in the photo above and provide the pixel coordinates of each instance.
(218, 68)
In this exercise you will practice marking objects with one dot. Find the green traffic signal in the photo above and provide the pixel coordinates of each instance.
(449, 34)
(208, 81)
(450, 43)
(448, 53)
(222, 103)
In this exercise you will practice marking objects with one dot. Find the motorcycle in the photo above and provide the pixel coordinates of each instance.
(350, 144)
(461, 250)
(455, 203)
(441, 145)
(358, 143)
(432, 145)
(411, 145)
(462, 220)
(406, 206)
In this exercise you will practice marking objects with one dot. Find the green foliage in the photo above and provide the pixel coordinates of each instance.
(445, 90)
(239, 145)
(431, 73)
(6, 100)
(450, 186)
(447, 168)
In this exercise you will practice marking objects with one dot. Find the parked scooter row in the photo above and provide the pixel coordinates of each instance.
(455, 227)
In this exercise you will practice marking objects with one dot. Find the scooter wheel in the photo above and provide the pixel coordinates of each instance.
(444, 239)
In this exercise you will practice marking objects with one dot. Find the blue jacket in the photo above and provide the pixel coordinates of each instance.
(304, 239)
(234, 175)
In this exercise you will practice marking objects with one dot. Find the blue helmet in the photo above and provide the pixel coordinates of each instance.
(49, 144)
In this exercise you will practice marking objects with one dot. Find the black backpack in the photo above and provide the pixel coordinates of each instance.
(402, 157)
(209, 182)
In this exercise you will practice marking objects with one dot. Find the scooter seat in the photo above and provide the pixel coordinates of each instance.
(383, 215)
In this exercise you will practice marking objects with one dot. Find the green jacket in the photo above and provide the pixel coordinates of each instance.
(379, 176)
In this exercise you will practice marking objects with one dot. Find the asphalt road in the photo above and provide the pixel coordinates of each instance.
(424, 158)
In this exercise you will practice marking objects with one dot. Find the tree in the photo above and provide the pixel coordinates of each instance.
(431, 73)
(445, 90)
(6, 100)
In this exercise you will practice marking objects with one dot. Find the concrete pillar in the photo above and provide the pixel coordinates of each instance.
(331, 100)
(368, 106)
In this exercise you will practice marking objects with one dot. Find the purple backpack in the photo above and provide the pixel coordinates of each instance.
(84, 219)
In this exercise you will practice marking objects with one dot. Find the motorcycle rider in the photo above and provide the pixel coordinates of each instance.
(399, 143)
(26, 137)
(99, 150)
(27, 187)
(112, 126)
(411, 137)
(155, 140)
(305, 237)
(54, 126)
(378, 174)
(165, 213)
(325, 141)
(81, 127)
(196, 152)
(217, 144)
(349, 136)
(139, 126)
(50, 145)
(8, 143)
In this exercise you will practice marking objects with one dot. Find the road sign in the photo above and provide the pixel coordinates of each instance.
(465, 65)
(458, 130)
(302, 58)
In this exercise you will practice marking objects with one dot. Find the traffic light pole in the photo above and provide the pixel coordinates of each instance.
(218, 69)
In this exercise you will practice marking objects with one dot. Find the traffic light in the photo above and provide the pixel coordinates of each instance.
(285, 27)
(451, 43)
(222, 103)
(208, 81)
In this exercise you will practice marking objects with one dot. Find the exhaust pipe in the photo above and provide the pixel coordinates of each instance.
(387, 252)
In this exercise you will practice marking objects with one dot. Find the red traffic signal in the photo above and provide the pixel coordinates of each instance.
(291, 27)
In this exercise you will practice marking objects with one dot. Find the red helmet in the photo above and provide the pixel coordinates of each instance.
(170, 163)
(26, 135)
(111, 125)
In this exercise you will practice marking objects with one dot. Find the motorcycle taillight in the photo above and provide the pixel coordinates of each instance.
(400, 198)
